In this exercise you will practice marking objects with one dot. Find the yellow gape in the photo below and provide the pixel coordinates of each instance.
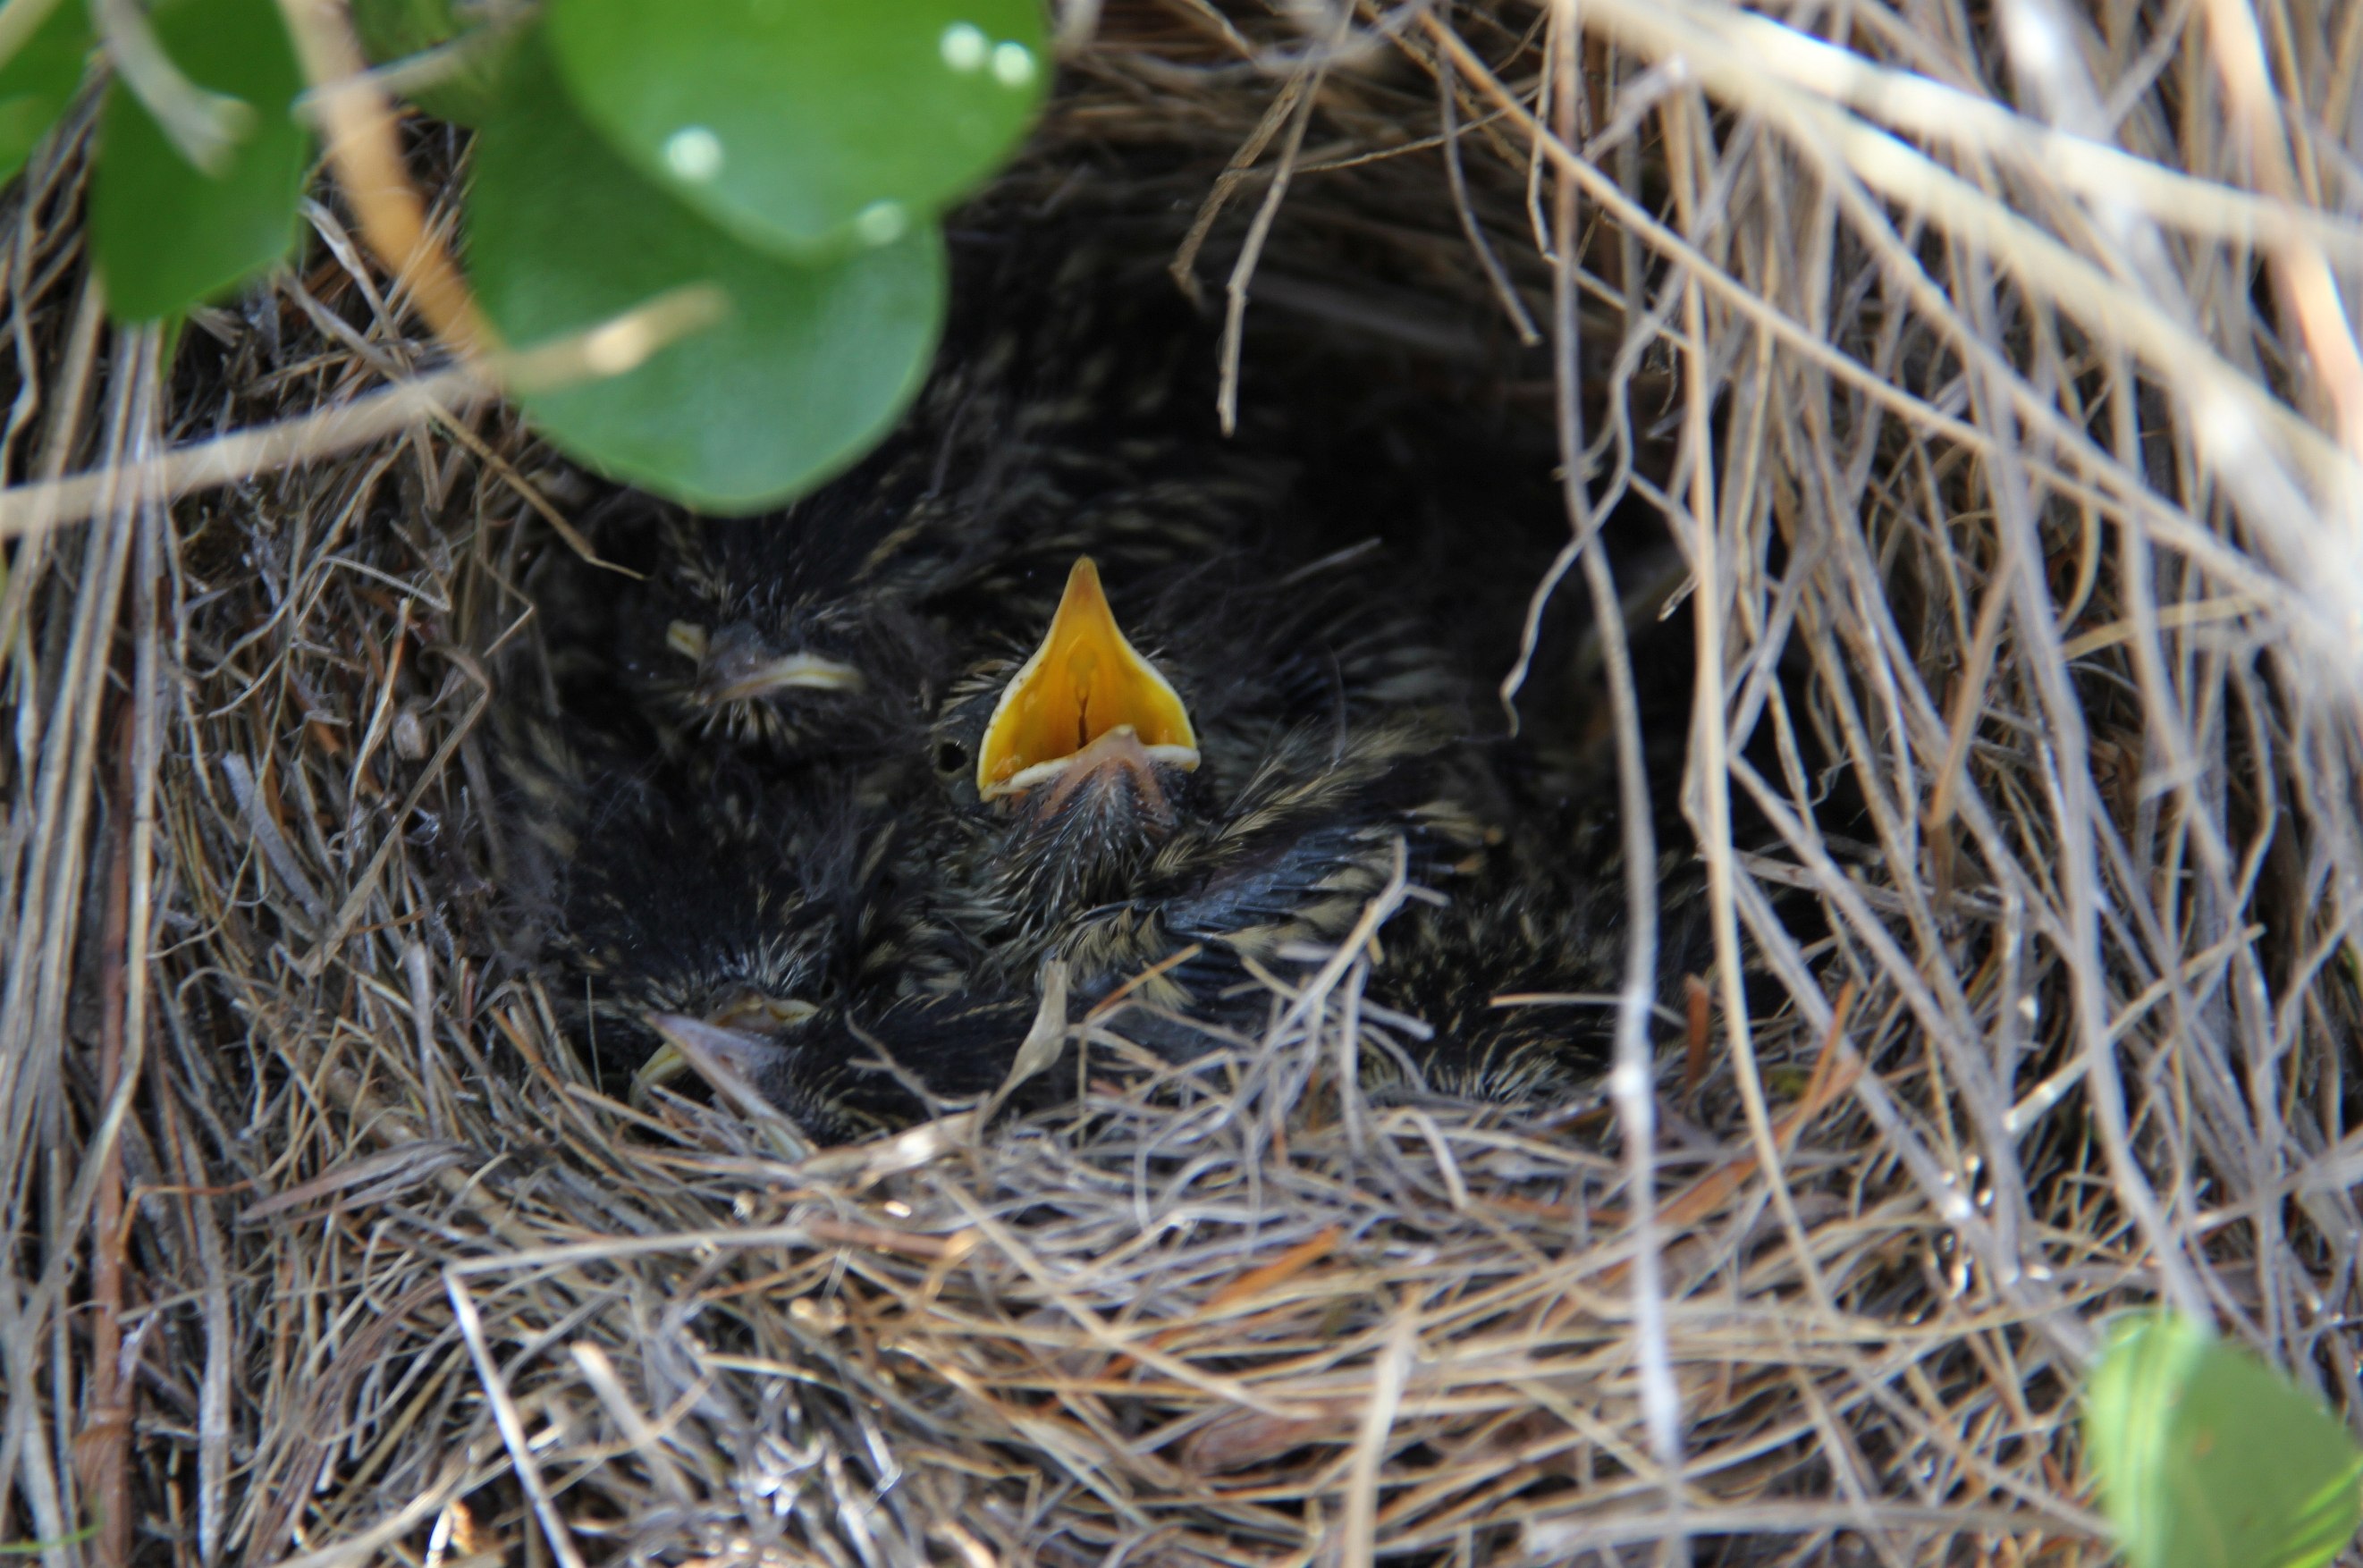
(1083, 683)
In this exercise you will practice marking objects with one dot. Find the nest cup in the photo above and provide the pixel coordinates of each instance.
(1979, 475)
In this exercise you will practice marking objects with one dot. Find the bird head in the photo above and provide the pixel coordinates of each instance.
(750, 963)
(1071, 764)
(756, 906)
(740, 664)
(1068, 765)
(780, 1014)
(740, 682)
(1109, 819)
(786, 635)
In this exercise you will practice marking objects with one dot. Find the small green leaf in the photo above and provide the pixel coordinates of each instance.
(2207, 1457)
(795, 123)
(166, 235)
(461, 76)
(37, 81)
(810, 367)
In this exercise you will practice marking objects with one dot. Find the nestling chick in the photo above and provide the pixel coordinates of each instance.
(1240, 786)
(768, 911)
(789, 638)
(1517, 976)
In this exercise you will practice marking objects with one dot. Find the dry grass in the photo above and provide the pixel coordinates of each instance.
(1991, 381)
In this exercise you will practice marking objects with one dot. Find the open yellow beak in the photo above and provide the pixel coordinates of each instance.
(1083, 682)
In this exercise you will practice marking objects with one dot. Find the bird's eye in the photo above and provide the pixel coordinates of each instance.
(951, 757)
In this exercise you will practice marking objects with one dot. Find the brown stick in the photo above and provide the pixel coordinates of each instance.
(848, 1234)
(103, 1452)
(1245, 1288)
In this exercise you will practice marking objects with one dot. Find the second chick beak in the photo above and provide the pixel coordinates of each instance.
(1085, 686)
(748, 1019)
(735, 665)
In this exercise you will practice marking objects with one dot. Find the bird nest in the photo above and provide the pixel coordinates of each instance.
(1989, 393)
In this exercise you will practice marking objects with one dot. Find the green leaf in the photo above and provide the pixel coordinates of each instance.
(2207, 1457)
(462, 77)
(166, 235)
(797, 122)
(812, 365)
(37, 81)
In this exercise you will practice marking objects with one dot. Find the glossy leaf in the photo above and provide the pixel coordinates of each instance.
(812, 365)
(802, 123)
(37, 81)
(463, 76)
(166, 235)
(2206, 1458)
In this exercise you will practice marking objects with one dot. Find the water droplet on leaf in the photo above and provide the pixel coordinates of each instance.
(882, 223)
(964, 46)
(1012, 64)
(693, 153)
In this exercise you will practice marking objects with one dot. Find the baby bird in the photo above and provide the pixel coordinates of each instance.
(1517, 976)
(787, 638)
(1156, 818)
(769, 913)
